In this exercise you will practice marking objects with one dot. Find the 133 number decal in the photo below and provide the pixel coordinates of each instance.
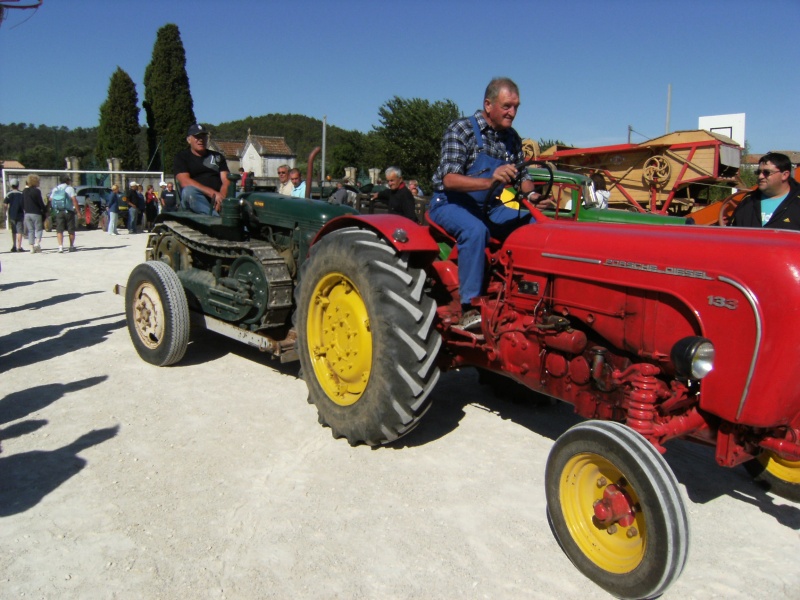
(721, 302)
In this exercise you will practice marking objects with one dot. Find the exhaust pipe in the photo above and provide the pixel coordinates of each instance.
(310, 171)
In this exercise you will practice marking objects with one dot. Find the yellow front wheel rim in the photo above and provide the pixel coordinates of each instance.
(339, 339)
(615, 549)
(780, 468)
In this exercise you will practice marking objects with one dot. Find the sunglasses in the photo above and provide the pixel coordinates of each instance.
(765, 172)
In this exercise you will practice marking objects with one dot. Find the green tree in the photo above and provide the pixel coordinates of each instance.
(411, 134)
(168, 101)
(119, 123)
(40, 157)
(544, 144)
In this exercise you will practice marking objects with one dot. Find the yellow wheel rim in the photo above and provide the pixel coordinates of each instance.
(339, 339)
(785, 470)
(615, 549)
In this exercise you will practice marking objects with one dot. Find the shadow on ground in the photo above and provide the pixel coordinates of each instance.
(25, 402)
(37, 344)
(29, 476)
(45, 302)
(18, 284)
(693, 464)
(206, 346)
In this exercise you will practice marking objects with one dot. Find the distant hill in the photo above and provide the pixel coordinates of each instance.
(44, 146)
(301, 133)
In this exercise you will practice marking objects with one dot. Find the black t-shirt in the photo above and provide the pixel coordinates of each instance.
(134, 199)
(170, 199)
(14, 202)
(203, 169)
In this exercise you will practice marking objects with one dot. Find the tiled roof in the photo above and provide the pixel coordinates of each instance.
(793, 155)
(11, 164)
(752, 159)
(271, 145)
(230, 148)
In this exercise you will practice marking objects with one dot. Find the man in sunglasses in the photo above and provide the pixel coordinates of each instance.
(202, 173)
(776, 202)
(285, 186)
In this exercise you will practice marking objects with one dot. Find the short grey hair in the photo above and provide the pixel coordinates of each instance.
(497, 84)
(394, 171)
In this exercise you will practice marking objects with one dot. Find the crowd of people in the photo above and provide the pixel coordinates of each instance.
(478, 152)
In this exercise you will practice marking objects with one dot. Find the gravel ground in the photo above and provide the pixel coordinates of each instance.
(212, 478)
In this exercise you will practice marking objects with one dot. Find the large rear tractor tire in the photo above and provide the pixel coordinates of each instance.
(616, 510)
(157, 313)
(366, 337)
(92, 215)
(779, 476)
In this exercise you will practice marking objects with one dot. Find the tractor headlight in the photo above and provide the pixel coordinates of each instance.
(693, 357)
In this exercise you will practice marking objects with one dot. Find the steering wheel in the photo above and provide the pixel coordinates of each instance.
(497, 186)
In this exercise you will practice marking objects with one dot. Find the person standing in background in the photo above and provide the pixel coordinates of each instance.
(113, 210)
(16, 215)
(33, 205)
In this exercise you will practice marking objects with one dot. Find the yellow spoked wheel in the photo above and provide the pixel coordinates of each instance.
(777, 474)
(366, 337)
(339, 338)
(157, 313)
(616, 510)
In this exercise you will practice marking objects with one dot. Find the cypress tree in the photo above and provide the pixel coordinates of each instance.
(167, 100)
(119, 123)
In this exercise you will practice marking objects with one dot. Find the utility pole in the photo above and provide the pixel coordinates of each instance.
(324, 128)
(669, 105)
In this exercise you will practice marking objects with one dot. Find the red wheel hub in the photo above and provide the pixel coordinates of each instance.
(616, 506)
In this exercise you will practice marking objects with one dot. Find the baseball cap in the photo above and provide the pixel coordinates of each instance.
(196, 130)
(133, 183)
(14, 182)
(162, 184)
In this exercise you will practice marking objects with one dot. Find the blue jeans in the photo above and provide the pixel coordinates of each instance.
(472, 232)
(112, 221)
(133, 217)
(194, 200)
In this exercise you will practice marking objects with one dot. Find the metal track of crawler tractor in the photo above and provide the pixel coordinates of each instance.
(279, 281)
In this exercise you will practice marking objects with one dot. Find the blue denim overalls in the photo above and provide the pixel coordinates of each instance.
(463, 216)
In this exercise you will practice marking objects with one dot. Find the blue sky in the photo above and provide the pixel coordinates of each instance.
(586, 69)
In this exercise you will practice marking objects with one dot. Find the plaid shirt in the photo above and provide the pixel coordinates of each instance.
(459, 149)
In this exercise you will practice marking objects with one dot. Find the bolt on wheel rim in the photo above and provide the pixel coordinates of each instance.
(614, 548)
(148, 315)
(339, 339)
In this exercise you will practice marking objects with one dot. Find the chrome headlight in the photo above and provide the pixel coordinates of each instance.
(693, 357)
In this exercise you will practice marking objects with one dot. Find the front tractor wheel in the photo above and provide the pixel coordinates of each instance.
(366, 337)
(616, 510)
(779, 476)
(157, 313)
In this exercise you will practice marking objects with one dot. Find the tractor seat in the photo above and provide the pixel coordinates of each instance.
(440, 235)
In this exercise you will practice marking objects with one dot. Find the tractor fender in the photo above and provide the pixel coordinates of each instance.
(403, 234)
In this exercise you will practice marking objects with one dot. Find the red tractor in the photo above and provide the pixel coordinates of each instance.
(652, 332)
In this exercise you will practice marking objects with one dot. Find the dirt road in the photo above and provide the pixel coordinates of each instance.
(212, 478)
